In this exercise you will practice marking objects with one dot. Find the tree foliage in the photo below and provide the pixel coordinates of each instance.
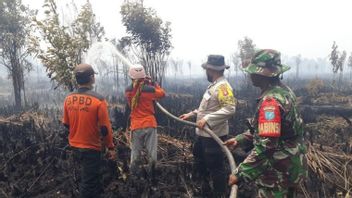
(177, 65)
(65, 45)
(236, 61)
(122, 45)
(189, 64)
(246, 49)
(314, 87)
(298, 61)
(349, 64)
(15, 37)
(148, 37)
(341, 61)
(337, 60)
(334, 58)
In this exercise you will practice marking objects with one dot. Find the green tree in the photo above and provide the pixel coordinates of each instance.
(246, 48)
(334, 57)
(123, 46)
(189, 63)
(149, 37)
(298, 60)
(66, 44)
(337, 60)
(15, 37)
(235, 59)
(349, 64)
(341, 64)
(341, 61)
(176, 66)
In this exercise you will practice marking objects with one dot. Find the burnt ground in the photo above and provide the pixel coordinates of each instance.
(36, 161)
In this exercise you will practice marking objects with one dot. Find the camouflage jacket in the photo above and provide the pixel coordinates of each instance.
(277, 159)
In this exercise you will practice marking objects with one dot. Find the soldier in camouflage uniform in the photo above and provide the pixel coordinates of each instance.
(277, 161)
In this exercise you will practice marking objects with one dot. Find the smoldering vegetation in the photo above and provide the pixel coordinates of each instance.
(37, 162)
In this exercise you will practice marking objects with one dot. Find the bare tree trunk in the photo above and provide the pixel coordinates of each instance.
(16, 77)
(126, 75)
(24, 95)
(23, 89)
(117, 74)
(340, 80)
(17, 88)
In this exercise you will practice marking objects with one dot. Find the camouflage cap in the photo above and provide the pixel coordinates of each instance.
(266, 62)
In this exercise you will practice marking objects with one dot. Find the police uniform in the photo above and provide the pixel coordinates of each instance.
(217, 107)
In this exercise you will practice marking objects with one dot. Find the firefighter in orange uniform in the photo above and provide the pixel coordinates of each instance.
(87, 119)
(141, 95)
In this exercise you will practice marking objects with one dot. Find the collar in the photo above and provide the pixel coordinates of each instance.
(266, 92)
(83, 89)
(222, 78)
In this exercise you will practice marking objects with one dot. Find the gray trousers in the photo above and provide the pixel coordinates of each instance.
(143, 138)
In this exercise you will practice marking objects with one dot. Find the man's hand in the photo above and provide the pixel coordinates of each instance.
(201, 123)
(186, 116)
(128, 136)
(231, 143)
(233, 180)
(111, 154)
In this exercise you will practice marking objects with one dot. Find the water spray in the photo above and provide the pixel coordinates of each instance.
(206, 129)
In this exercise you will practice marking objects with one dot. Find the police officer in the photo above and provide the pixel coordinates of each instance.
(86, 116)
(217, 106)
(276, 163)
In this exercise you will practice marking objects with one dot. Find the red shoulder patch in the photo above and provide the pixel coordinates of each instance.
(269, 120)
(224, 90)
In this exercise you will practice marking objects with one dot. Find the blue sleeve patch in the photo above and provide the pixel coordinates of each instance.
(269, 115)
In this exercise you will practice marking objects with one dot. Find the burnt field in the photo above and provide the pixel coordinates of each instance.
(37, 162)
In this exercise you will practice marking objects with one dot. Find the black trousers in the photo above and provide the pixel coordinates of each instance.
(89, 163)
(209, 161)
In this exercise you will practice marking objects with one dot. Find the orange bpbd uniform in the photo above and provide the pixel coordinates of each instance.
(143, 115)
(85, 112)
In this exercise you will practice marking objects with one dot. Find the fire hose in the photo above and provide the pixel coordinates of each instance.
(215, 137)
(206, 129)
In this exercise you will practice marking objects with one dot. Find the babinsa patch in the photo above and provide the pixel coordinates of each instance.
(269, 112)
(269, 119)
(269, 115)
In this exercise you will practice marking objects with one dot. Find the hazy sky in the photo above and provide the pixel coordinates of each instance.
(202, 27)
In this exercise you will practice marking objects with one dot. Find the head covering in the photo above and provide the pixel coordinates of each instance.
(136, 72)
(84, 70)
(215, 62)
(266, 62)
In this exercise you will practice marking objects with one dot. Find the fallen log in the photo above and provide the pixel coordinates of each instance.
(310, 111)
(3, 121)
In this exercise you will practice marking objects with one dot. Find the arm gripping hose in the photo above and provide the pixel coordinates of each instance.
(215, 137)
